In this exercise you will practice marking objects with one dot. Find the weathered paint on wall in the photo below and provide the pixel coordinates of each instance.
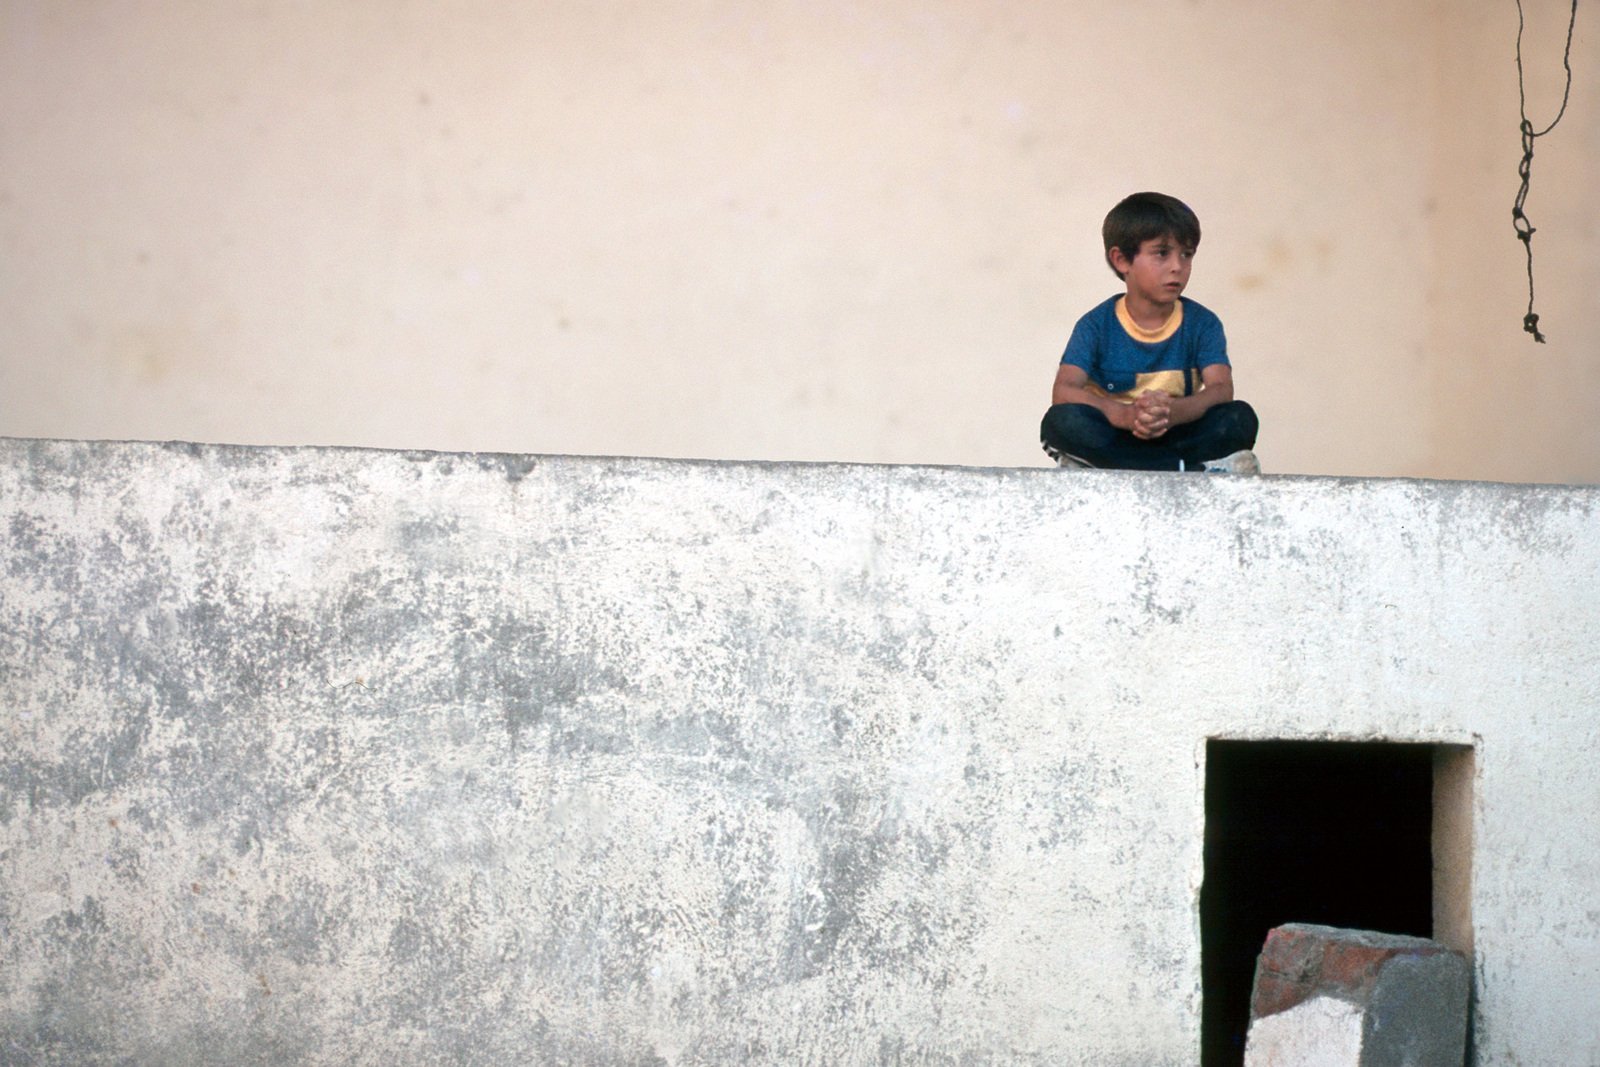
(337, 756)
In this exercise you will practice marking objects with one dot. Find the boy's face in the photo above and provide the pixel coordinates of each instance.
(1159, 272)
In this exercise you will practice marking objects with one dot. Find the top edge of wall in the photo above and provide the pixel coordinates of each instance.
(199, 448)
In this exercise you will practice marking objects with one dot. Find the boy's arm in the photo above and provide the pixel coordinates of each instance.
(1216, 387)
(1139, 418)
(1070, 388)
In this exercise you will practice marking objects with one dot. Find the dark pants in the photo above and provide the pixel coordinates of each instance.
(1082, 432)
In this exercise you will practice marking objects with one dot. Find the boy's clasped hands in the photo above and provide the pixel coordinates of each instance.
(1150, 414)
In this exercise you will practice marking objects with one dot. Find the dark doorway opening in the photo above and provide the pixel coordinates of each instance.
(1331, 832)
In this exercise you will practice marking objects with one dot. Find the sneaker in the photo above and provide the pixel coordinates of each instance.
(1064, 460)
(1242, 462)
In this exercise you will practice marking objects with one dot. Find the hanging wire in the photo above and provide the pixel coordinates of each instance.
(1519, 220)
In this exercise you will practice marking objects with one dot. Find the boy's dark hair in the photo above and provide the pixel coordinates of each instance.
(1143, 216)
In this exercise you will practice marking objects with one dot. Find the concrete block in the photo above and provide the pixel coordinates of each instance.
(1356, 998)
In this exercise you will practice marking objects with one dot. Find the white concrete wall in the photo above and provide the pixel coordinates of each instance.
(813, 231)
(338, 756)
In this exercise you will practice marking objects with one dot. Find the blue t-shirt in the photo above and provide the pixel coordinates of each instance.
(1123, 360)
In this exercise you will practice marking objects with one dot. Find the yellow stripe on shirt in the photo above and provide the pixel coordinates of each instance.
(1170, 382)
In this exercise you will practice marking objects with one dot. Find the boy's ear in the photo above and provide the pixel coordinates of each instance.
(1119, 262)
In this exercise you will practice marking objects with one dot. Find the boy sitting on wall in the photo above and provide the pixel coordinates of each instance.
(1145, 382)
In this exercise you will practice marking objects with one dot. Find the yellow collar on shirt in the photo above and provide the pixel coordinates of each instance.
(1139, 333)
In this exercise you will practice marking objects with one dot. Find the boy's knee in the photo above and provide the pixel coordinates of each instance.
(1073, 423)
(1239, 421)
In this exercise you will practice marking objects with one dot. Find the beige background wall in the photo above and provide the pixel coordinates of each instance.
(782, 231)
